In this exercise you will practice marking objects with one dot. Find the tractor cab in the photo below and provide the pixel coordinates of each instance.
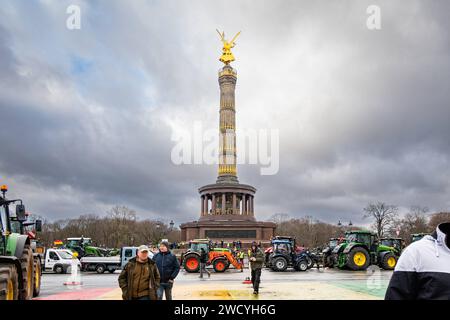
(78, 241)
(333, 243)
(282, 247)
(199, 244)
(417, 236)
(397, 243)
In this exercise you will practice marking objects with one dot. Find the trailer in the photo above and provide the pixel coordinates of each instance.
(100, 264)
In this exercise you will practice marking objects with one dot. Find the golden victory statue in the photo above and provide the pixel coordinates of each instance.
(227, 56)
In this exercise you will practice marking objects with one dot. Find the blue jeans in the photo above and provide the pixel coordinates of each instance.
(165, 288)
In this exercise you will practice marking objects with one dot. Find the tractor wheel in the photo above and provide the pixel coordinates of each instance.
(37, 277)
(111, 270)
(27, 263)
(220, 265)
(279, 264)
(358, 259)
(191, 263)
(389, 261)
(328, 261)
(9, 284)
(310, 262)
(301, 265)
(100, 268)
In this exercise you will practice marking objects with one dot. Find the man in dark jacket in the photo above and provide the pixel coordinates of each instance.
(423, 269)
(139, 279)
(203, 260)
(256, 259)
(168, 268)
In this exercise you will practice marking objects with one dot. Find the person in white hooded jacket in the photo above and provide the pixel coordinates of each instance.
(423, 270)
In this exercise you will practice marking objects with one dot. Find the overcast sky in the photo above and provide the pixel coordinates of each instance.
(87, 116)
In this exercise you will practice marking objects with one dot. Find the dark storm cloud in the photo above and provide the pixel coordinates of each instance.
(87, 116)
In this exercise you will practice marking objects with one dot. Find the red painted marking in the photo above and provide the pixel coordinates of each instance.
(77, 294)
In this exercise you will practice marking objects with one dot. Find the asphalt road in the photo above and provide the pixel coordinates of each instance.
(312, 284)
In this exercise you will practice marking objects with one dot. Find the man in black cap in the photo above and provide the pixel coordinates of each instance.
(139, 279)
(168, 267)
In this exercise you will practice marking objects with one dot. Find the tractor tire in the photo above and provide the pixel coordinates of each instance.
(37, 277)
(100, 269)
(279, 264)
(9, 284)
(301, 265)
(220, 265)
(310, 262)
(27, 263)
(111, 270)
(191, 263)
(358, 259)
(389, 261)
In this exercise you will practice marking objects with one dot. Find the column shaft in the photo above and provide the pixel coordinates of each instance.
(206, 205)
(223, 203)
(234, 203)
(203, 205)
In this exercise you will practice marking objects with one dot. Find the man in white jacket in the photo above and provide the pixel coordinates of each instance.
(423, 270)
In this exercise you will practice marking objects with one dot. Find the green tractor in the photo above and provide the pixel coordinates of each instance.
(362, 249)
(17, 262)
(84, 247)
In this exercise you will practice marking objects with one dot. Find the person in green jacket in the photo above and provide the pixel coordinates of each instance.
(139, 279)
(256, 259)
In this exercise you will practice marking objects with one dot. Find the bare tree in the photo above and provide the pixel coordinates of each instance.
(438, 218)
(383, 214)
(415, 221)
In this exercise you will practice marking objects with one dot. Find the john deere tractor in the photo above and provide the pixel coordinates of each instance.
(362, 249)
(83, 246)
(17, 265)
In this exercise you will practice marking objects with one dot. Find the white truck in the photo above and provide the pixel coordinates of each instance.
(58, 261)
(100, 264)
(110, 264)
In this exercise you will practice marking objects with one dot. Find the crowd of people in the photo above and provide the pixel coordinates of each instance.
(423, 262)
(145, 278)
